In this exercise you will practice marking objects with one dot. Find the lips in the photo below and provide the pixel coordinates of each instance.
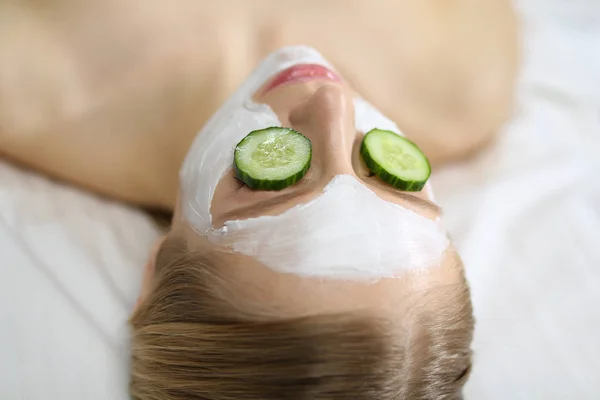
(302, 73)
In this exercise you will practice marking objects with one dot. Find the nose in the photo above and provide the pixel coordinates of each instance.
(327, 119)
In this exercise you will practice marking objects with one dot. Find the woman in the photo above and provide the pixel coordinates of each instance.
(297, 293)
(299, 304)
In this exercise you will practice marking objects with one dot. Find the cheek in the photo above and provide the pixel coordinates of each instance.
(367, 117)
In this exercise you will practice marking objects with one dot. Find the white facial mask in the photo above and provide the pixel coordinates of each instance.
(348, 232)
(211, 156)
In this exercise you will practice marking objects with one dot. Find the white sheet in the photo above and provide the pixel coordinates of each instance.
(70, 268)
(525, 215)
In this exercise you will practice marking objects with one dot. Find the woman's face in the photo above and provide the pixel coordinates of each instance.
(338, 221)
(312, 99)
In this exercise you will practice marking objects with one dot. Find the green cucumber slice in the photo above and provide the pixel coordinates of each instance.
(272, 158)
(395, 160)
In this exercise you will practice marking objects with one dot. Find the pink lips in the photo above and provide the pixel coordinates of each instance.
(302, 73)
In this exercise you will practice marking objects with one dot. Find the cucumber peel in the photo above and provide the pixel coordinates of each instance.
(272, 158)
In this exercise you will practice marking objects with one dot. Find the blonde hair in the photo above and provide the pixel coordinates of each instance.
(188, 342)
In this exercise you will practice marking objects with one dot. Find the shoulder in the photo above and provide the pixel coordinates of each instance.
(110, 109)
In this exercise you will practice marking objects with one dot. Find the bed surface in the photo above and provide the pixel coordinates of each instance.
(525, 215)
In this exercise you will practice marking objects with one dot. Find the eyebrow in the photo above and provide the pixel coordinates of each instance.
(255, 208)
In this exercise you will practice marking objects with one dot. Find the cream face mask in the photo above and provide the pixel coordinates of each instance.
(347, 232)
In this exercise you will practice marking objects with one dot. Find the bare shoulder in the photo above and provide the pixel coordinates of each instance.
(87, 99)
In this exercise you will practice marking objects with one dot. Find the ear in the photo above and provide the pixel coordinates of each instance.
(149, 271)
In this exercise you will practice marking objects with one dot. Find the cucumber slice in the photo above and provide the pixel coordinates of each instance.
(395, 160)
(272, 158)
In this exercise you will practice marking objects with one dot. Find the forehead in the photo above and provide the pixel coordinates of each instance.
(254, 286)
